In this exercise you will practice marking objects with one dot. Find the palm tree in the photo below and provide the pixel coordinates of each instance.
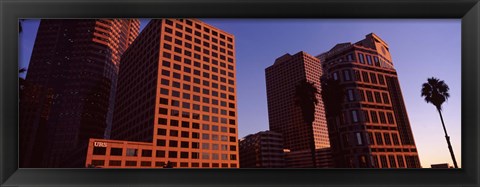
(333, 96)
(306, 99)
(435, 91)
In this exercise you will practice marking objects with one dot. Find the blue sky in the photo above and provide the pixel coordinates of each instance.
(420, 48)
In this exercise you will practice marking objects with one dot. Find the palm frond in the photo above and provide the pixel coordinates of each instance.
(435, 91)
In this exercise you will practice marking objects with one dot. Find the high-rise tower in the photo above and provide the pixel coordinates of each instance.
(285, 114)
(77, 61)
(176, 100)
(371, 128)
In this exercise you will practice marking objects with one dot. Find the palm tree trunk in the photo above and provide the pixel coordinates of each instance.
(312, 149)
(448, 140)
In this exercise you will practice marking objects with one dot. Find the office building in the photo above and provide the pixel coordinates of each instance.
(262, 150)
(76, 61)
(176, 94)
(302, 159)
(371, 129)
(285, 115)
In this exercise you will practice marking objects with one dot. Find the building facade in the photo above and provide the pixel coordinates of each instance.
(262, 150)
(176, 91)
(372, 130)
(78, 61)
(285, 115)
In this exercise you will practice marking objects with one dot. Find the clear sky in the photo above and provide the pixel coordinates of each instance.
(420, 48)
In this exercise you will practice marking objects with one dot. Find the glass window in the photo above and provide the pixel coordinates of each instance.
(161, 131)
(164, 101)
(205, 127)
(354, 116)
(365, 77)
(184, 155)
(350, 95)
(131, 152)
(99, 150)
(172, 154)
(346, 75)
(116, 151)
(369, 59)
(395, 139)
(378, 138)
(146, 153)
(214, 146)
(206, 146)
(374, 116)
(174, 133)
(359, 138)
(380, 79)
(185, 134)
(369, 96)
(385, 98)
(162, 121)
(195, 145)
(205, 117)
(224, 138)
(360, 58)
(214, 156)
(378, 99)
(224, 157)
(382, 117)
(205, 156)
(115, 163)
(131, 163)
(386, 136)
(390, 118)
(205, 136)
(174, 122)
(373, 78)
(173, 143)
(161, 142)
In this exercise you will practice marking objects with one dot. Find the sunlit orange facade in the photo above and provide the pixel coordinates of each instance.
(373, 130)
(176, 100)
(77, 61)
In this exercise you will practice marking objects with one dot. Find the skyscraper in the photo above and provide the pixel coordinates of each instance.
(372, 128)
(285, 114)
(77, 61)
(176, 97)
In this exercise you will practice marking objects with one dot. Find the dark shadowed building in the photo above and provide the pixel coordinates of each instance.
(73, 70)
(285, 115)
(262, 150)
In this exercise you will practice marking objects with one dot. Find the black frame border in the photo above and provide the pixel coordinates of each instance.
(467, 10)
